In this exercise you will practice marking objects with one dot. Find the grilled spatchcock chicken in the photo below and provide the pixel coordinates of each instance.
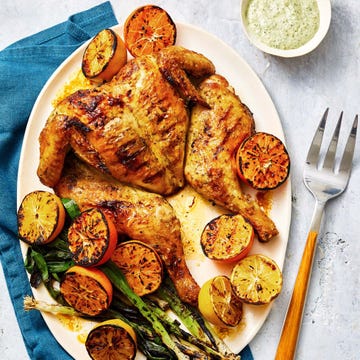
(133, 127)
(214, 135)
(133, 130)
(139, 214)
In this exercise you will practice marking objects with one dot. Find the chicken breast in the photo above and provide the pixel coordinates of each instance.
(213, 138)
(139, 214)
(132, 128)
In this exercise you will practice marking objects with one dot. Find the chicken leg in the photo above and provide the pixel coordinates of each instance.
(140, 215)
(214, 136)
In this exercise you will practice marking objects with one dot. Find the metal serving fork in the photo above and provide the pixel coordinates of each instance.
(325, 181)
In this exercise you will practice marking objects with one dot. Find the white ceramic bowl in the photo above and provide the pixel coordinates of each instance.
(325, 17)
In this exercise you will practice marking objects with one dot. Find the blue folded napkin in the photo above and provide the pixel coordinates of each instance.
(25, 66)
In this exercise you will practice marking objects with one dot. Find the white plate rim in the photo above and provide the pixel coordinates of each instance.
(228, 63)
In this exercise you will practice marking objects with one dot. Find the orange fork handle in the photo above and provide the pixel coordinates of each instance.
(291, 328)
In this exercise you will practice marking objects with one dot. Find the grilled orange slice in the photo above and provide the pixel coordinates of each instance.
(218, 302)
(105, 55)
(256, 279)
(87, 290)
(148, 29)
(92, 238)
(262, 161)
(227, 238)
(40, 218)
(111, 339)
(140, 264)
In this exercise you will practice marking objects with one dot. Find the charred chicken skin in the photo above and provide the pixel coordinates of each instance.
(214, 135)
(133, 127)
(139, 214)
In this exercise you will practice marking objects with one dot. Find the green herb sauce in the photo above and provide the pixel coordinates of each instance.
(283, 24)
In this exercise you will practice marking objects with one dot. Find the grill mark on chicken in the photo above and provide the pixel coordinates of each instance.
(84, 102)
(90, 106)
(166, 131)
(116, 101)
(162, 116)
(76, 123)
(119, 210)
(80, 144)
(150, 179)
(129, 154)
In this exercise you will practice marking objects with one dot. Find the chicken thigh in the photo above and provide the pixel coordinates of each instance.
(214, 136)
(139, 214)
(133, 127)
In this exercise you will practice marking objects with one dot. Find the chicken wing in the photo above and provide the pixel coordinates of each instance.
(139, 214)
(134, 127)
(213, 138)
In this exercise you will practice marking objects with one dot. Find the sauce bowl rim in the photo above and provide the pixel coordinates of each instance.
(325, 18)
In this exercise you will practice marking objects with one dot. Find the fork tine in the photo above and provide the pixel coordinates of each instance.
(313, 154)
(346, 161)
(329, 160)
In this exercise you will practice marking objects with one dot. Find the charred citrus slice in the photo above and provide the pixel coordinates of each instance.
(262, 161)
(227, 238)
(105, 55)
(92, 238)
(140, 264)
(148, 29)
(256, 279)
(40, 218)
(218, 302)
(111, 339)
(87, 290)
